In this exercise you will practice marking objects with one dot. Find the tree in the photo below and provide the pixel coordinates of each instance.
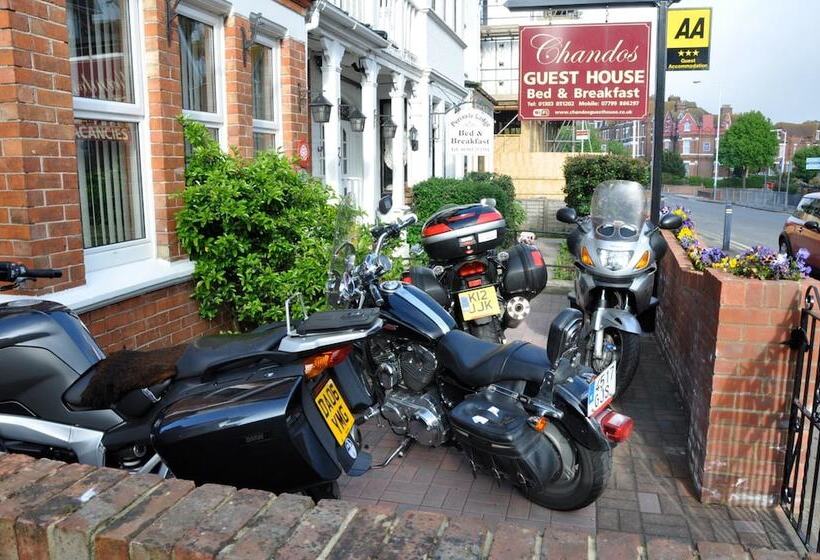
(616, 148)
(750, 143)
(564, 140)
(799, 162)
(672, 163)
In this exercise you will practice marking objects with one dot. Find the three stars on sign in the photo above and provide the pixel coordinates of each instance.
(682, 53)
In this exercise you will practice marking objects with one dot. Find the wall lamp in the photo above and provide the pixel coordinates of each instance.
(247, 42)
(413, 135)
(320, 109)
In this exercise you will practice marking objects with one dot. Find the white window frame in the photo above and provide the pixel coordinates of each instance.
(707, 147)
(216, 21)
(265, 126)
(687, 126)
(686, 147)
(106, 256)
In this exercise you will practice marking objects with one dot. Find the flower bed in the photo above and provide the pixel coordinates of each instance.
(762, 263)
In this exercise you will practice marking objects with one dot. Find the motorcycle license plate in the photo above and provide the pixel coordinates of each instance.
(601, 390)
(479, 303)
(334, 410)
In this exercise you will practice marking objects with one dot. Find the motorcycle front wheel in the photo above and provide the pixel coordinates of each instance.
(582, 479)
(625, 348)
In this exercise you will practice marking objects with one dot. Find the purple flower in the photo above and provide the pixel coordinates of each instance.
(711, 255)
(802, 254)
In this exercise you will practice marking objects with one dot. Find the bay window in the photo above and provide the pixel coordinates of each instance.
(263, 56)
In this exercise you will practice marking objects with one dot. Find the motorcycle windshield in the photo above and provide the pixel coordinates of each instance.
(618, 210)
(343, 250)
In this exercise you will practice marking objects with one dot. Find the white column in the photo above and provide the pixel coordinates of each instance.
(370, 137)
(332, 53)
(418, 167)
(397, 115)
(450, 168)
(439, 120)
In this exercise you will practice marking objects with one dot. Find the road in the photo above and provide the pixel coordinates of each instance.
(749, 226)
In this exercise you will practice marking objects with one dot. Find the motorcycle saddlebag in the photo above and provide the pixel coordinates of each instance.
(458, 231)
(526, 273)
(494, 433)
(424, 279)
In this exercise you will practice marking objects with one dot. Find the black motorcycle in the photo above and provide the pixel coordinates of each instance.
(541, 424)
(271, 409)
(486, 290)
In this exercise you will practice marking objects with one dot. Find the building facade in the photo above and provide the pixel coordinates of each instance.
(403, 65)
(92, 154)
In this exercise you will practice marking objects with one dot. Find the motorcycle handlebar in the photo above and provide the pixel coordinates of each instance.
(43, 273)
(11, 272)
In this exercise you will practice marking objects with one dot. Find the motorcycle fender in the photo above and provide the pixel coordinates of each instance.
(570, 397)
(563, 329)
(616, 319)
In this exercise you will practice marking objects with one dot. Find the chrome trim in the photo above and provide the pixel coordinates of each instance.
(86, 444)
(299, 344)
(429, 313)
(464, 232)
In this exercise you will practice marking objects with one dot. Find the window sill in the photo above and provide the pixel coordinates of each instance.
(111, 285)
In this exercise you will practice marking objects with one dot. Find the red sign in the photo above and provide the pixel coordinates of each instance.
(303, 153)
(584, 72)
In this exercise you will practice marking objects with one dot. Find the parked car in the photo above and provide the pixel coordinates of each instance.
(802, 230)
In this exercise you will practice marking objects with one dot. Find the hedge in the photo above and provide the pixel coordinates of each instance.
(584, 173)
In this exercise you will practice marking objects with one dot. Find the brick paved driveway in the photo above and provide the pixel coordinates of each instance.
(649, 492)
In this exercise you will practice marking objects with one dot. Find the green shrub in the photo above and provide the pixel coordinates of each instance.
(752, 182)
(584, 173)
(430, 195)
(669, 179)
(672, 163)
(257, 230)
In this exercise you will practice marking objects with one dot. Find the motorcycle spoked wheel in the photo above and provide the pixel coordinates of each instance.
(627, 352)
(582, 478)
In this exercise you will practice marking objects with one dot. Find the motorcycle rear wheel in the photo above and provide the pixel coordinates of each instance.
(491, 332)
(590, 474)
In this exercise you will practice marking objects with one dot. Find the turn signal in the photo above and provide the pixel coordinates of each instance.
(315, 365)
(585, 258)
(538, 423)
(643, 262)
(617, 427)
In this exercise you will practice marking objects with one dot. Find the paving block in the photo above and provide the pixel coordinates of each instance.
(364, 536)
(618, 546)
(658, 548)
(462, 538)
(414, 535)
(770, 554)
(511, 542)
(559, 544)
(720, 551)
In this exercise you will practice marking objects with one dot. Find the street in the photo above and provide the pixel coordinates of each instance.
(750, 226)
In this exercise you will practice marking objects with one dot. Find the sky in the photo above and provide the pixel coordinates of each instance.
(765, 55)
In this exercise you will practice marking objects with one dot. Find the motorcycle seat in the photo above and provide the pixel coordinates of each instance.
(478, 363)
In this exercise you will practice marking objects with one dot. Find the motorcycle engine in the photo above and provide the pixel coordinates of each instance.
(404, 369)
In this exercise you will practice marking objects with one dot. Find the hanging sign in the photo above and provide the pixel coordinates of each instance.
(581, 134)
(470, 132)
(688, 36)
(303, 153)
(584, 72)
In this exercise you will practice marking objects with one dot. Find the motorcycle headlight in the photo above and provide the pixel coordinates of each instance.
(614, 260)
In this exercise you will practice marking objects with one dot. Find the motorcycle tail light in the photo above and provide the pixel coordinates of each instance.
(472, 268)
(617, 427)
(585, 258)
(493, 216)
(435, 229)
(643, 262)
(315, 365)
(537, 258)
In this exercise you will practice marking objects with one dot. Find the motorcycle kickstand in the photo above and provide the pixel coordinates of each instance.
(398, 452)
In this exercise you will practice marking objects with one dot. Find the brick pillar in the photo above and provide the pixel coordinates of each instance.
(162, 69)
(39, 196)
(239, 85)
(295, 114)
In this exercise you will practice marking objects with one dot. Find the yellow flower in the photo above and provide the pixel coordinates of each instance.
(685, 232)
(681, 213)
(733, 262)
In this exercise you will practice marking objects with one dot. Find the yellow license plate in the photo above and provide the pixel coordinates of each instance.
(479, 303)
(334, 410)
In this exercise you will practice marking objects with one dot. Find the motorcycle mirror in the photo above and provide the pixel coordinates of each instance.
(385, 263)
(670, 221)
(488, 202)
(812, 226)
(503, 256)
(438, 270)
(407, 220)
(567, 215)
(385, 204)
(416, 250)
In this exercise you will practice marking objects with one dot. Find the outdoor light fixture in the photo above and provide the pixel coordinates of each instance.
(320, 109)
(357, 120)
(413, 135)
(389, 129)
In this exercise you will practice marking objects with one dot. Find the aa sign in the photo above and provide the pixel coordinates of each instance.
(688, 37)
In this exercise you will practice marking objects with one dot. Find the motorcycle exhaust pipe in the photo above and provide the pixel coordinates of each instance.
(516, 311)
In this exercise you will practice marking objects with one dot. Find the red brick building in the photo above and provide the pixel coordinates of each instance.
(91, 153)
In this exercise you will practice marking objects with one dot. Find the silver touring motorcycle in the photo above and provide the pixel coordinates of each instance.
(616, 252)
(519, 412)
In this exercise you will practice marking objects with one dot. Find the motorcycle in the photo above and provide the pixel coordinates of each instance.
(544, 426)
(487, 291)
(616, 251)
(271, 409)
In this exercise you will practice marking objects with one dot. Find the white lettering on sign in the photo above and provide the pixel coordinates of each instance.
(91, 130)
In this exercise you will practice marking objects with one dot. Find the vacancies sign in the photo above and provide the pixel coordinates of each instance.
(584, 72)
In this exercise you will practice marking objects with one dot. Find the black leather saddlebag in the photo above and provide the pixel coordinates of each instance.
(494, 433)
(424, 279)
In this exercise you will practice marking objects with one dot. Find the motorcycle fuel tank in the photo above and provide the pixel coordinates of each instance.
(410, 307)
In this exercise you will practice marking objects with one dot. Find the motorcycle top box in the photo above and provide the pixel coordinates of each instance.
(526, 273)
(460, 231)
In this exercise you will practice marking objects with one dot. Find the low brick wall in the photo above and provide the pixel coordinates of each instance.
(50, 510)
(722, 336)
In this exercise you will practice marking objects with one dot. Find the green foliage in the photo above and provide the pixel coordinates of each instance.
(430, 195)
(616, 148)
(672, 163)
(749, 144)
(564, 263)
(257, 230)
(584, 173)
(752, 182)
(669, 179)
(799, 162)
(564, 140)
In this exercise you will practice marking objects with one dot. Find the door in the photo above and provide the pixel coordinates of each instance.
(351, 163)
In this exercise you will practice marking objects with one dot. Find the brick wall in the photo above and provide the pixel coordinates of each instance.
(295, 113)
(239, 85)
(68, 512)
(723, 337)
